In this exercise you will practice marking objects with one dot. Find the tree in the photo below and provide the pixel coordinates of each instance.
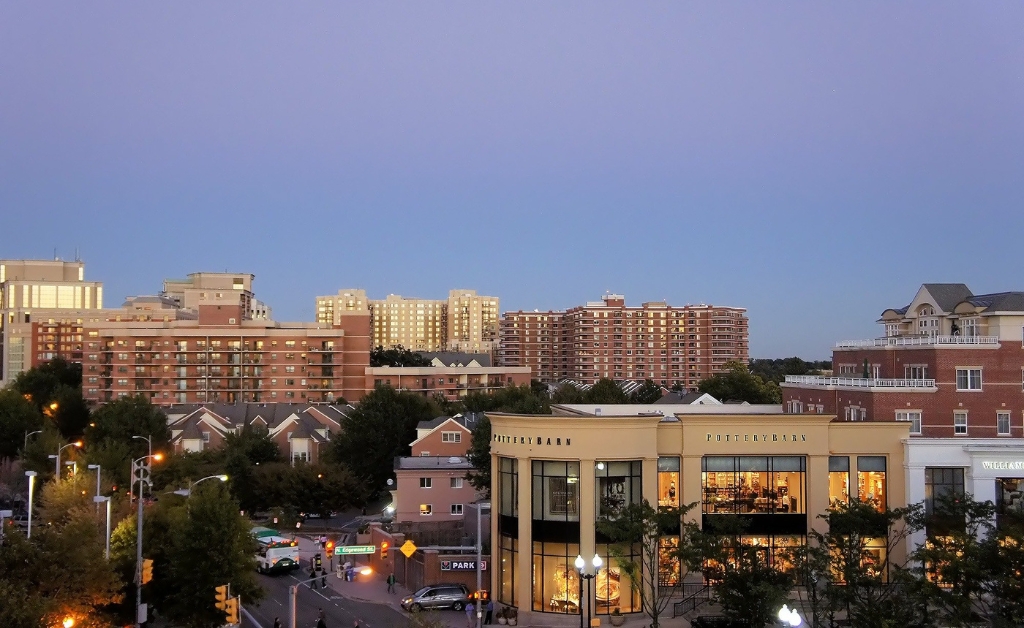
(69, 411)
(380, 429)
(42, 382)
(480, 456)
(568, 393)
(747, 585)
(18, 416)
(606, 391)
(738, 384)
(648, 392)
(777, 370)
(396, 356)
(643, 526)
(120, 420)
(847, 567)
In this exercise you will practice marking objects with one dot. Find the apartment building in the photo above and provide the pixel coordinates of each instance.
(465, 321)
(671, 345)
(43, 304)
(216, 288)
(951, 365)
(454, 382)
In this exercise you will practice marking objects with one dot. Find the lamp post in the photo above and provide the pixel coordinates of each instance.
(789, 617)
(581, 566)
(480, 508)
(131, 486)
(31, 492)
(27, 434)
(187, 492)
(99, 500)
(99, 472)
(142, 468)
(56, 469)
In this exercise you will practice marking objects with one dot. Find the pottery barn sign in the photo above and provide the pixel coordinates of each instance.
(462, 565)
(530, 440)
(757, 438)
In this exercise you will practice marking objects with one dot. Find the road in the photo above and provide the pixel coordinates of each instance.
(341, 612)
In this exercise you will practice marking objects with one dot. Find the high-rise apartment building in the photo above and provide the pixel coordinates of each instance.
(216, 288)
(465, 322)
(671, 345)
(42, 307)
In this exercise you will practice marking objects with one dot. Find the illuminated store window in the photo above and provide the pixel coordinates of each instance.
(754, 484)
(838, 479)
(668, 482)
(871, 484)
(618, 484)
(556, 535)
(1009, 501)
(508, 530)
(669, 565)
(612, 586)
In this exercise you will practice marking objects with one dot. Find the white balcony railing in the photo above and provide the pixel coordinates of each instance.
(858, 382)
(919, 341)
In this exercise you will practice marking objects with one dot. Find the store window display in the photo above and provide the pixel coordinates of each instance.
(871, 484)
(668, 482)
(754, 484)
(838, 479)
(556, 535)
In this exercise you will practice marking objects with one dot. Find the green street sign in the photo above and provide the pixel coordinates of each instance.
(342, 550)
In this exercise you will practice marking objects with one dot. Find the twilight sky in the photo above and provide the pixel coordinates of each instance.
(813, 162)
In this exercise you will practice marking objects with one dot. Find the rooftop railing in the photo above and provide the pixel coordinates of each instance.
(919, 341)
(859, 382)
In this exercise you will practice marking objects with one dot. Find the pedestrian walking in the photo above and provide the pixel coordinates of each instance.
(391, 583)
(323, 578)
(321, 616)
(470, 619)
(490, 611)
(277, 623)
(312, 578)
(320, 623)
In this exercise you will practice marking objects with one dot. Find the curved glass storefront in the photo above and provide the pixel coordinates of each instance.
(555, 531)
(508, 530)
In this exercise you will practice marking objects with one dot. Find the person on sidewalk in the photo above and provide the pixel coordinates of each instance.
(470, 615)
(312, 578)
(321, 623)
(490, 611)
(323, 578)
(391, 583)
(277, 622)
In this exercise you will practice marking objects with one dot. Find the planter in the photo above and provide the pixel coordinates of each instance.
(502, 621)
(512, 622)
(617, 620)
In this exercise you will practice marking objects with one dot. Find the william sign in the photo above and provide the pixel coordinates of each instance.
(462, 565)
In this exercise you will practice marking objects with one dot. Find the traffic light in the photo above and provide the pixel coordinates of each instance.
(482, 595)
(222, 597)
(330, 548)
(147, 570)
(384, 545)
(318, 560)
(231, 612)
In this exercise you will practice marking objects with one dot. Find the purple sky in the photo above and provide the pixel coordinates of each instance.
(813, 162)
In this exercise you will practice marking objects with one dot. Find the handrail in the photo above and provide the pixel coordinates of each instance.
(917, 341)
(859, 382)
(702, 595)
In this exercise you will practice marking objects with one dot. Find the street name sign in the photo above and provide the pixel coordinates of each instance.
(345, 550)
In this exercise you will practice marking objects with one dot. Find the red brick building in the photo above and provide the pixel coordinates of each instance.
(608, 339)
(453, 382)
(951, 362)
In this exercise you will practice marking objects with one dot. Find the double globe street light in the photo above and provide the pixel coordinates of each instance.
(789, 616)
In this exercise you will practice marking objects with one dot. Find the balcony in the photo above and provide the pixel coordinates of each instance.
(861, 383)
(920, 341)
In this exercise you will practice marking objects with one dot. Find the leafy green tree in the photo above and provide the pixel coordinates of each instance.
(480, 456)
(642, 526)
(120, 420)
(18, 416)
(567, 393)
(326, 488)
(69, 411)
(739, 384)
(41, 383)
(648, 392)
(845, 568)
(606, 391)
(747, 586)
(396, 356)
(380, 428)
(777, 370)
(60, 572)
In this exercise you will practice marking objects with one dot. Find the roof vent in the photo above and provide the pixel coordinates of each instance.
(454, 460)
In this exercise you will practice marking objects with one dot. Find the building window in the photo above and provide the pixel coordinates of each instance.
(916, 371)
(455, 482)
(426, 482)
(618, 484)
(941, 483)
(838, 479)
(426, 510)
(754, 484)
(871, 484)
(668, 482)
(968, 379)
(508, 529)
(556, 536)
(1003, 423)
(451, 437)
(1009, 500)
(960, 423)
(206, 437)
(457, 509)
(914, 417)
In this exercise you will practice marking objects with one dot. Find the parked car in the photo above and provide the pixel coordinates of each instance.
(436, 596)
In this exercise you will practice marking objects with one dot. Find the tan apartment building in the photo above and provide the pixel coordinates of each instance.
(216, 289)
(672, 345)
(43, 304)
(453, 382)
(465, 321)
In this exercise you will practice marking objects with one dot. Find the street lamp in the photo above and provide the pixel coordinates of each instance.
(138, 525)
(99, 472)
(581, 566)
(99, 500)
(68, 622)
(31, 492)
(480, 509)
(27, 434)
(131, 487)
(187, 492)
(789, 617)
(74, 467)
(56, 469)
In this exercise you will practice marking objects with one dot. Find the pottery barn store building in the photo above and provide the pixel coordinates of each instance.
(554, 476)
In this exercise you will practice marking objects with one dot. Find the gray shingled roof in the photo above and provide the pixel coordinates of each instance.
(676, 397)
(467, 420)
(948, 295)
(999, 301)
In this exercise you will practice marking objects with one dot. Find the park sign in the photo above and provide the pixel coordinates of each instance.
(347, 550)
(462, 565)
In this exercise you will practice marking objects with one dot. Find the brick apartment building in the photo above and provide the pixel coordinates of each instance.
(950, 362)
(671, 345)
(453, 382)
